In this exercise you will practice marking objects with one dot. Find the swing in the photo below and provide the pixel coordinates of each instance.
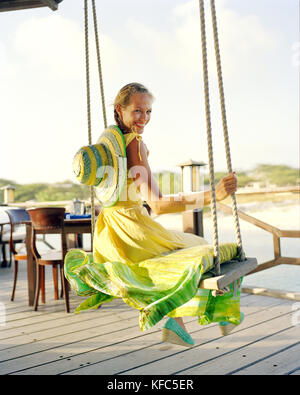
(223, 275)
(230, 271)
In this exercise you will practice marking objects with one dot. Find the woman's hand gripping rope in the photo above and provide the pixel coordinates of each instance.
(226, 186)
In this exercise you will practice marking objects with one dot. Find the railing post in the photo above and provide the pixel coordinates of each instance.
(277, 246)
(192, 220)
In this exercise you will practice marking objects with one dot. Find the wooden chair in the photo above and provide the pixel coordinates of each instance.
(4, 238)
(17, 235)
(44, 221)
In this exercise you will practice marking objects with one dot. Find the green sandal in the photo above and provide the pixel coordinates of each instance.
(173, 333)
(227, 327)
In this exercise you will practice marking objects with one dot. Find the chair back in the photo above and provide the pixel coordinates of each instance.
(47, 220)
(16, 218)
(3, 217)
(4, 224)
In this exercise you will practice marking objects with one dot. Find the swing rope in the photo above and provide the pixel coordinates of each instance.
(88, 97)
(87, 68)
(209, 142)
(88, 92)
(225, 127)
(209, 134)
(99, 63)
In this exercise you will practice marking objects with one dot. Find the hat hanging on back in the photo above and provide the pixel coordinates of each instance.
(103, 165)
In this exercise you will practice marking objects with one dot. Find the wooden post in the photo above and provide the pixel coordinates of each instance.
(160, 182)
(277, 247)
(172, 183)
(192, 220)
(9, 194)
(31, 267)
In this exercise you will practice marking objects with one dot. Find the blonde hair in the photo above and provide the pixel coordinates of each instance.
(124, 96)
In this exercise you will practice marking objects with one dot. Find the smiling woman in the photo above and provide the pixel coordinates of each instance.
(153, 269)
(133, 107)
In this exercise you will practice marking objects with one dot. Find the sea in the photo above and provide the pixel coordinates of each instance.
(256, 242)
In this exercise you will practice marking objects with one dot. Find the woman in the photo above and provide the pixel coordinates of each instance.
(126, 235)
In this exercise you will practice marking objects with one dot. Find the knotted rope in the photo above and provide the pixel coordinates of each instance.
(99, 63)
(225, 127)
(209, 135)
(88, 91)
(209, 141)
(88, 97)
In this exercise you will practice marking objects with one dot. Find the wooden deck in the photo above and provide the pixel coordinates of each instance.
(108, 341)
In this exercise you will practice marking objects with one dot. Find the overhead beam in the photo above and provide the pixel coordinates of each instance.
(51, 4)
(14, 5)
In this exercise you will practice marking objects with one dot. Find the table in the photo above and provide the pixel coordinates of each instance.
(72, 226)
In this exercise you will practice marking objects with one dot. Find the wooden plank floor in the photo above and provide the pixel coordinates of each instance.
(108, 341)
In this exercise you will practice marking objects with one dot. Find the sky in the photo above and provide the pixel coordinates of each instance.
(43, 119)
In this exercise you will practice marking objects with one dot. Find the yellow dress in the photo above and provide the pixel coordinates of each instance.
(153, 269)
(126, 233)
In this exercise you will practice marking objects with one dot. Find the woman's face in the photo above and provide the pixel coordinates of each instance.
(137, 113)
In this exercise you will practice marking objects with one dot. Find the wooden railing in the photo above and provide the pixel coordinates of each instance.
(278, 258)
(277, 234)
(29, 204)
(193, 223)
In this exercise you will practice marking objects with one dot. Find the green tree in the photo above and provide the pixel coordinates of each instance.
(280, 175)
(169, 182)
(27, 192)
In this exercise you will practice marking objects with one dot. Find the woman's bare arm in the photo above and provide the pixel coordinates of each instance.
(149, 189)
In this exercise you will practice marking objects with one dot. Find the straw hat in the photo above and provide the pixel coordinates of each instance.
(103, 165)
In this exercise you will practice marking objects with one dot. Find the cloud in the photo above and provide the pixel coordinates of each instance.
(242, 39)
(44, 105)
(251, 59)
(54, 46)
(50, 46)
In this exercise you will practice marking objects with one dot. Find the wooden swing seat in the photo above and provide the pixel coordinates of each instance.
(230, 272)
